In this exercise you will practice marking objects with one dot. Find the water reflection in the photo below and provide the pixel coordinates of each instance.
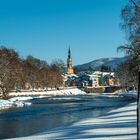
(48, 113)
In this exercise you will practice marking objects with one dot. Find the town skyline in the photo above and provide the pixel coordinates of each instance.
(46, 29)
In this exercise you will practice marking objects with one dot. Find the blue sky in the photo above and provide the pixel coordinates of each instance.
(46, 28)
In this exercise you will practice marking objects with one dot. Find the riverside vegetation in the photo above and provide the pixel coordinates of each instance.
(30, 73)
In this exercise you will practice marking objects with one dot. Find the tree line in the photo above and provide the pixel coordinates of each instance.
(30, 73)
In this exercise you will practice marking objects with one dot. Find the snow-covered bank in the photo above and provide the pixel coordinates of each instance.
(13, 102)
(23, 96)
(19, 98)
(71, 91)
(119, 124)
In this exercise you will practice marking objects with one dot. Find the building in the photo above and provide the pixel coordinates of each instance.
(97, 79)
(109, 79)
(88, 78)
(69, 63)
(91, 80)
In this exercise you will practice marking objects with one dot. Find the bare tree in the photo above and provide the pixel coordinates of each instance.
(9, 70)
(131, 25)
(31, 73)
(58, 65)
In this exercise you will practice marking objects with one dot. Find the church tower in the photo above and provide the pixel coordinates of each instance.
(69, 63)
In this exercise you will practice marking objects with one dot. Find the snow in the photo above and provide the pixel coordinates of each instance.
(23, 96)
(14, 102)
(71, 91)
(127, 95)
(97, 64)
(119, 124)
(5, 104)
(20, 98)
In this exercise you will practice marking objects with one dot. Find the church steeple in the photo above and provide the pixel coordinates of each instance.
(69, 53)
(69, 63)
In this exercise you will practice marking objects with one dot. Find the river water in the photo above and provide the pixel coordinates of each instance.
(51, 112)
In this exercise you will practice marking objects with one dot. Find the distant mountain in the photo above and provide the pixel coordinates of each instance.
(97, 64)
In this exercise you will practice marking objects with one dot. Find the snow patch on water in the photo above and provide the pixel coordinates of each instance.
(14, 102)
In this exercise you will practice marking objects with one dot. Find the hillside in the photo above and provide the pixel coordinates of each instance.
(96, 64)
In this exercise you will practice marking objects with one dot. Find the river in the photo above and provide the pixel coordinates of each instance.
(52, 112)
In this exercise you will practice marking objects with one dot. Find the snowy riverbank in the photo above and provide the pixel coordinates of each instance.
(68, 91)
(119, 124)
(22, 97)
(13, 102)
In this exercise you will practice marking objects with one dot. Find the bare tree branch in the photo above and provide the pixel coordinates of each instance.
(137, 5)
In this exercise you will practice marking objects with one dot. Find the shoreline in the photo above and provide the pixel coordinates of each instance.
(20, 99)
(53, 92)
(118, 124)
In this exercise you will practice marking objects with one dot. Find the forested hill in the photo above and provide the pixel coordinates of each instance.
(112, 62)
